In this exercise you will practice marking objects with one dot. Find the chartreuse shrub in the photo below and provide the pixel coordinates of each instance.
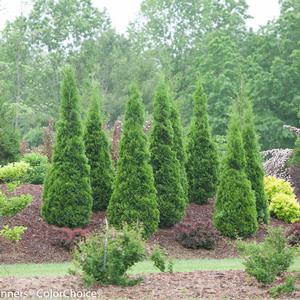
(268, 259)
(254, 167)
(13, 172)
(285, 207)
(10, 207)
(98, 154)
(106, 257)
(202, 158)
(38, 169)
(166, 167)
(275, 185)
(134, 196)
(283, 204)
(67, 198)
(235, 209)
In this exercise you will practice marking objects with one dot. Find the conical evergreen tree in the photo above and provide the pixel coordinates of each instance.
(134, 195)
(254, 168)
(166, 167)
(67, 198)
(235, 209)
(202, 157)
(98, 154)
(9, 141)
(179, 148)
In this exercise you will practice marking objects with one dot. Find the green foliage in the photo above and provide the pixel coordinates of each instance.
(98, 154)
(275, 185)
(38, 169)
(235, 209)
(134, 195)
(9, 207)
(34, 137)
(166, 167)
(9, 140)
(159, 259)
(67, 198)
(179, 148)
(13, 234)
(268, 259)
(254, 167)
(285, 288)
(296, 153)
(202, 162)
(106, 257)
(13, 171)
(285, 207)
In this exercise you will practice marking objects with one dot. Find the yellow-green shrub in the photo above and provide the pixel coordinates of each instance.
(275, 185)
(13, 171)
(285, 207)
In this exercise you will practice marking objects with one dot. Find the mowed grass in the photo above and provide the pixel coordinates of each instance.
(190, 265)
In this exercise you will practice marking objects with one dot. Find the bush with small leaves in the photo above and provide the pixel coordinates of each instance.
(293, 234)
(285, 207)
(268, 259)
(13, 171)
(196, 235)
(275, 185)
(160, 260)
(106, 257)
(38, 168)
(13, 234)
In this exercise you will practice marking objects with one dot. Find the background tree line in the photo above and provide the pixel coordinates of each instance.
(178, 38)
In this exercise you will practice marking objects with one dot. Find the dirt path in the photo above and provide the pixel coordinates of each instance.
(194, 285)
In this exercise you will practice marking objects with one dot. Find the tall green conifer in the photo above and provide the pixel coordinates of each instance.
(166, 167)
(202, 158)
(254, 168)
(235, 209)
(98, 154)
(134, 195)
(67, 198)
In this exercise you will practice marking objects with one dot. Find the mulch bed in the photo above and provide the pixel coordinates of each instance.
(194, 285)
(39, 245)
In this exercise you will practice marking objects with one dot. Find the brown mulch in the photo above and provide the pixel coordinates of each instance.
(193, 285)
(38, 243)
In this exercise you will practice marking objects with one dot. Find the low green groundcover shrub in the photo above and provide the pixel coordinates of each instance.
(285, 288)
(38, 168)
(13, 171)
(268, 259)
(160, 260)
(106, 257)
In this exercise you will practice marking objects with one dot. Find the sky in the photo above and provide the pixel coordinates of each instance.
(124, 11)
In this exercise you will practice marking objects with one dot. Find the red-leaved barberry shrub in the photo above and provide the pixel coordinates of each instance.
(195, 235)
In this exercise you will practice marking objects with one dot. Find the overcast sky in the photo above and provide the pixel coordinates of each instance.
(124, 11)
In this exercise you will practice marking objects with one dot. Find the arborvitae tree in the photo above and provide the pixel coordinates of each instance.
(179, 148)
(166, 167)
(235, 209)
(254, 167)
(67, 198)
(98, 154)
(134, 195)
(9, 141)
(202, 157)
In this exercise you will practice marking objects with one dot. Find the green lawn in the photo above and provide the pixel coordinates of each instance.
(60, 269)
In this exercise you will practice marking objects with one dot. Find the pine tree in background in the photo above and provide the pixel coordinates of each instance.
(134, 195)
(9, 141)
(98, 154)
(254, 167)
(166, 167)
(235, 209)
(202, 157)
(67, 198)
(179, 148)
